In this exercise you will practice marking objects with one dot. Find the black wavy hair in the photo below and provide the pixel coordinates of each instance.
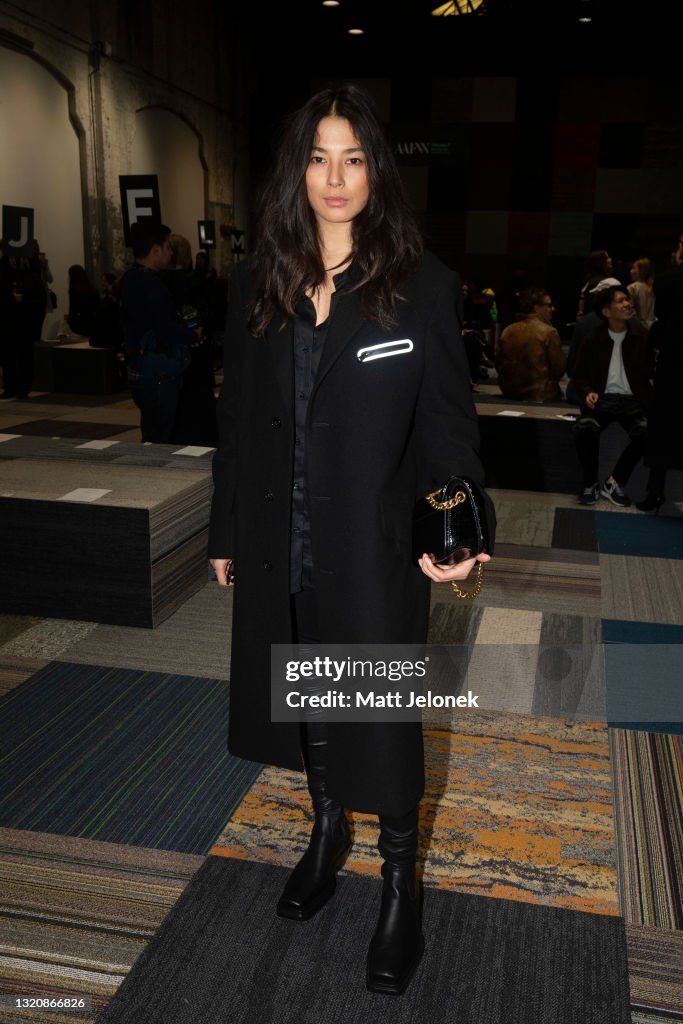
(605, 297)
(386, 242)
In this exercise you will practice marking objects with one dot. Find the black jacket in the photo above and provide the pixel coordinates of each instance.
(380, 433)
(592, 363)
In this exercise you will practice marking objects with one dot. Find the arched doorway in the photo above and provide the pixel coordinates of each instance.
(165, 145)
(40, 165)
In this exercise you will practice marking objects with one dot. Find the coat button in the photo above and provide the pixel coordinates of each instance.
(268, 496)
(267, 566)
(276, 422)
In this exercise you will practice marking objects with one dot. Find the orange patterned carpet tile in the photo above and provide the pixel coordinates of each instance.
(515, 808)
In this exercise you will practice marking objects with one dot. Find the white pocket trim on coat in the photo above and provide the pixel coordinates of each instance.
(385, 349)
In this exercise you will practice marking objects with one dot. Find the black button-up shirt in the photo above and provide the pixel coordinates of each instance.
(309, 340)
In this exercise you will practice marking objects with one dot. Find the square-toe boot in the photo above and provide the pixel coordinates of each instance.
(313, 880)
(398, 944)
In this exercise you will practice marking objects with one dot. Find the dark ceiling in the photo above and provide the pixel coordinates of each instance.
(402, 37)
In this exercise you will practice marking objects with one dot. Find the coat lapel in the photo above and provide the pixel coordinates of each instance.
(347, 320)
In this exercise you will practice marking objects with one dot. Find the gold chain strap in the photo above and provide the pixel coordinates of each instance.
(478, 584)
(441, 506)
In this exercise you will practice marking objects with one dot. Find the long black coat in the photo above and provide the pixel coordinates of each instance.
(380, 434)
(664, 446)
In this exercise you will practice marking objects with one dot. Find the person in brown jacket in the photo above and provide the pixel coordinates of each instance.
(612, 378)
(530, 360)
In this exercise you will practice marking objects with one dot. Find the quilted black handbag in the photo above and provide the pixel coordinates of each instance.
(450, 525)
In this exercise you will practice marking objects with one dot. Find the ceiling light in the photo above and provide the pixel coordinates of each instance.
(356, 31)
(458, 7)
(330, 3)
(585, 21)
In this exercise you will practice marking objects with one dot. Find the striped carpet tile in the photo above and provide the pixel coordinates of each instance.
(539, 578)
(515, 808)
(121, 756)
(642, 589)
(76, 914)
(648, 800)
(655, 968)
(16, 670)
(574, 529)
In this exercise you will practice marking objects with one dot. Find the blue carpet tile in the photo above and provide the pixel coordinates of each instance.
(619, 534)
(643, 670)
(635, 690)
(618, 631)
(121, 756)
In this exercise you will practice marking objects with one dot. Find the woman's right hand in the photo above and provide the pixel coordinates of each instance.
(223, 567)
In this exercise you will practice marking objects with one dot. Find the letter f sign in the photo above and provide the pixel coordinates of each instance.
(135, 211)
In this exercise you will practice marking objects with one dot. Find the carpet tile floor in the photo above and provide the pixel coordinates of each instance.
(137, 857)
(515, 808)
(221, 955)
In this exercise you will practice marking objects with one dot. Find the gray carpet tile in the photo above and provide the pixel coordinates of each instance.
(525, 517)
(48, 639)
(570, 677)
(222, 955)
(639, 589)
(453, 623)
(535, 578)
(125, 486)
(70, 428)
(195, 640)
(119, 452)
(452, 632)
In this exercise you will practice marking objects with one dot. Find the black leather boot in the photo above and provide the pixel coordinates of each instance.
(313, 880)
(398, 944)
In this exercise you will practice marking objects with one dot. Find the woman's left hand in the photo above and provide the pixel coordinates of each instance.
(445, 573)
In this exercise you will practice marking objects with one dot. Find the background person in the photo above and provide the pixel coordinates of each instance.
(195, 419)
(84, 302)
(664, 445)
(599, 265)
(314, 435)
(530, 360)
(613, 383)
(151, 329)
(641, 291)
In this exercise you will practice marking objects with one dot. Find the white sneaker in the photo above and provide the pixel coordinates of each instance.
(614, 493)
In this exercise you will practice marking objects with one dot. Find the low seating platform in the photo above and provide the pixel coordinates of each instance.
(95, 531)
(75, 367)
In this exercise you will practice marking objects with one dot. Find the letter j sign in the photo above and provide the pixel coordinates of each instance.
(17, 230)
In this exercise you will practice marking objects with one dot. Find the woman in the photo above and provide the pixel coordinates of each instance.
(195, 420)
(599, 265)
(641, 291)
(322, 455)
(664, 450)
